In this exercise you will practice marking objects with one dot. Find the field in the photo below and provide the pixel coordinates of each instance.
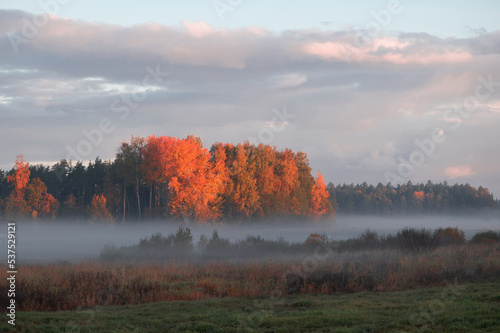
(470, 307)
(361, 284)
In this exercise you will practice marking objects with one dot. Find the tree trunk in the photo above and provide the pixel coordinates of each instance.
(157, 197)
(150, 200)
(138, 197)
(124, 197)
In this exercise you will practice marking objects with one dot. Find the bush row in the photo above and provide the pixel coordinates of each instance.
(414, 240)
(181, 245)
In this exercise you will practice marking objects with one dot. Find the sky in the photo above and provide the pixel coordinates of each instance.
(373, 91)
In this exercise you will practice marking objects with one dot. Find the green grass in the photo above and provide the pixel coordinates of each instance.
(471, 307)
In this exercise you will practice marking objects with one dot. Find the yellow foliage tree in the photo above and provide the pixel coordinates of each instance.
(98, 210)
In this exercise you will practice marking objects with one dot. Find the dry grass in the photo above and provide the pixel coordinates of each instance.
(71, 286)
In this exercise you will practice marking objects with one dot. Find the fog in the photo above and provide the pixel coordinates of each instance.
(63, 240)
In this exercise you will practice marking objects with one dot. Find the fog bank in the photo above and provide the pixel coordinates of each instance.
(54, 241)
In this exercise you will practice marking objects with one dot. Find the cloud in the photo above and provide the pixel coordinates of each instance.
(459, 171)
(388, 50)
(493, 106)
(358, 109)
(69, 46)
(287, 80)
(198, 29)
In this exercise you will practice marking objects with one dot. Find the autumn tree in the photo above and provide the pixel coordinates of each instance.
(21, 176)
(320, 199)
(288, 183)
(16, 204)
(42, 204)
(98, 210)
(29, 197)
(306, 182)
(231, 181)
(242, 198)
(195, 183)
(157, 167)
(266, 179)
(220, 174)
(189, 178)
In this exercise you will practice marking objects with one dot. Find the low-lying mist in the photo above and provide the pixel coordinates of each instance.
(64, 240)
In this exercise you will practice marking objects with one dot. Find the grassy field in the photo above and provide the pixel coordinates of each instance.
(471, 307)
(57, 287)
(454, 287)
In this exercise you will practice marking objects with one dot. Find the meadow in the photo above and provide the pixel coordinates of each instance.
(469, 307)
(356, 284)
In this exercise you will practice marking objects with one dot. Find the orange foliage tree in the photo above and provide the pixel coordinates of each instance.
(306, 182)
(242, 198)
(16, 204)
(157, 166)
(43, 204)
(288, 183)
(320, 199)
(190, 180)
(29, 198)
(266, 178)
(195, 183)
(185, 180)
(21, 176)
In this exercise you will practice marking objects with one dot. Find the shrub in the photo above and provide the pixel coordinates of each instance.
(314, 240)
(179, 244)
(413, 240)
(369, 240)
(486, 237)
(256, 246)
(217, 246)
(202, 243)
(450, 236)
(389, 241)
(183, 240)
(155, 241)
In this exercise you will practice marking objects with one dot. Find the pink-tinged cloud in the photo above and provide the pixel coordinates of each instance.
(328, 50)
(389, 43)
(198, 29)
(493, 106)
(256, 30)
(446, 57)
(200, 44)
(459, 171)
(388, 50)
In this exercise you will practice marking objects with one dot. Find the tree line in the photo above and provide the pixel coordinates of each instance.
(162, 177)
(429, 198)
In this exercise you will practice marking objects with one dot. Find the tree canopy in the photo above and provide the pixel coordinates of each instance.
(160, 177)
(172, 178)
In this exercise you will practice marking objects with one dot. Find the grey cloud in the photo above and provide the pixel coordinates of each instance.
(224, 84)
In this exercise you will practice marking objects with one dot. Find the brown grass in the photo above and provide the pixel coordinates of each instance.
(72, 286)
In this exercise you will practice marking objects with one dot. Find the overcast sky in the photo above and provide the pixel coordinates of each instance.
(372, 91)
